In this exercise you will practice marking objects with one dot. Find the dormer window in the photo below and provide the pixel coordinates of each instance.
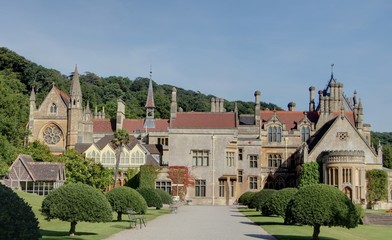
(305, 133)
(275, 134)
(53, 108)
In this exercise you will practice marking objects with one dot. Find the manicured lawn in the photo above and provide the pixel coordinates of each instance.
(275, 226)
(56, 229)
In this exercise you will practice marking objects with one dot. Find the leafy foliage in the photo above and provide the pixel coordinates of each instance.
(165, 196)
(80, 169)
(180, 175)
(76, 202)
(309, 174)
(277, 203)
(17, 218)
(385, 139)
(321, 205)
(260, 198)
(124, 198)
(246, 198)
(377, 187)
(151, 196)
(148, 174)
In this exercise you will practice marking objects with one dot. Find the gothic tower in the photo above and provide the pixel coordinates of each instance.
(150, 106)
(75, 110)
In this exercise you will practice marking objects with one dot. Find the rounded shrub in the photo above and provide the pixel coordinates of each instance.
(259, 198)
(77, 202)
(17, 219)
(165, 196)
(321, 205)
(151, 196)
(277, 203)
(123, 199)
(246, 198)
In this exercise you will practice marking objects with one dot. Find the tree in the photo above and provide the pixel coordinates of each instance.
(80, 169)
(309, 174)
(387, 156)
(17, 218)
(121, 138)
(76, 202)
(246, 198)
(321, 205)
(260, 198)
(377, 187)
(124, 198)
(181, 179)
(278, 202)
(151, 196)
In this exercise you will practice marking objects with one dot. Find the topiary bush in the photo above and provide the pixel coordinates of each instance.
(246, 198)
(77, 202)
(277, 203)
(124, 198)
(259, 198)
(151, 196)
(165, 196)
(321, 205)
(17, 219)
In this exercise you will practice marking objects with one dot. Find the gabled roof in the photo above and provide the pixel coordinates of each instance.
(204, 120)
(152, 148)
(315, 139)
(107, 139)
(65, 97)
(41, 171)
(289, 118)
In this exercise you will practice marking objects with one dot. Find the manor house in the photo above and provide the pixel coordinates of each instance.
(226, 153)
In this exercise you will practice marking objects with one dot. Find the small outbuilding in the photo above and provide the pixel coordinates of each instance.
(35, 177)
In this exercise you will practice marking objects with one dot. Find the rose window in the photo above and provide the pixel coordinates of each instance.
(52, 135)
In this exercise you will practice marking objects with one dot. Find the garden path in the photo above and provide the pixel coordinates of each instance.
(198, 223)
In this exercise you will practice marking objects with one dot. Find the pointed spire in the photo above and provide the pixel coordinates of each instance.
(88, 107)
(150, 95)
(32, 95)
(75, 85)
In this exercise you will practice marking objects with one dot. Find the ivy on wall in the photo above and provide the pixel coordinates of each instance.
(147, 176)
(377, 187)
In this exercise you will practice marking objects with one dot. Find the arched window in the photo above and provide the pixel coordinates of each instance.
(137, 158)
(274, 134)
(124, 158)
(108, 157)
(305, 134)
(53, 108)
(94, 155)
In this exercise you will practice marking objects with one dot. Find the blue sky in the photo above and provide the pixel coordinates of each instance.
(225, 48)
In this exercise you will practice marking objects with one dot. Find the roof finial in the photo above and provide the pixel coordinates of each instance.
(150, 72)
(332, 70)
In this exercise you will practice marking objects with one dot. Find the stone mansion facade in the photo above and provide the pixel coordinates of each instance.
(226, 153)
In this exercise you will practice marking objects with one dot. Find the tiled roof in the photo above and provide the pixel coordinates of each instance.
(134, 125)
(46, 171)
(65, 97)
(152, 148)
(290, 118)
(103, 126)
(150, 160)
(81, 147)
(108, 138)
(209, 120)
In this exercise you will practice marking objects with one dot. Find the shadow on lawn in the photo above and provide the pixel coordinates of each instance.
(263, 223)
(287, 237)
(48, 234)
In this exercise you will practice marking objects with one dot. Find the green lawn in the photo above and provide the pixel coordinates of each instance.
(275, 226)
(56, 229)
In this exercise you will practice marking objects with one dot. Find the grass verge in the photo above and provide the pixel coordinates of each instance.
(56, 229)
(275, 226)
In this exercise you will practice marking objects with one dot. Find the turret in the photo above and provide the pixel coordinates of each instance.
(213, 105)
(257, 107)
(173, 105)
(311, 99)
(291, 106)
(360, 115)
(75, 110)
(33, 107)
(150, 106)
(120, 114)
